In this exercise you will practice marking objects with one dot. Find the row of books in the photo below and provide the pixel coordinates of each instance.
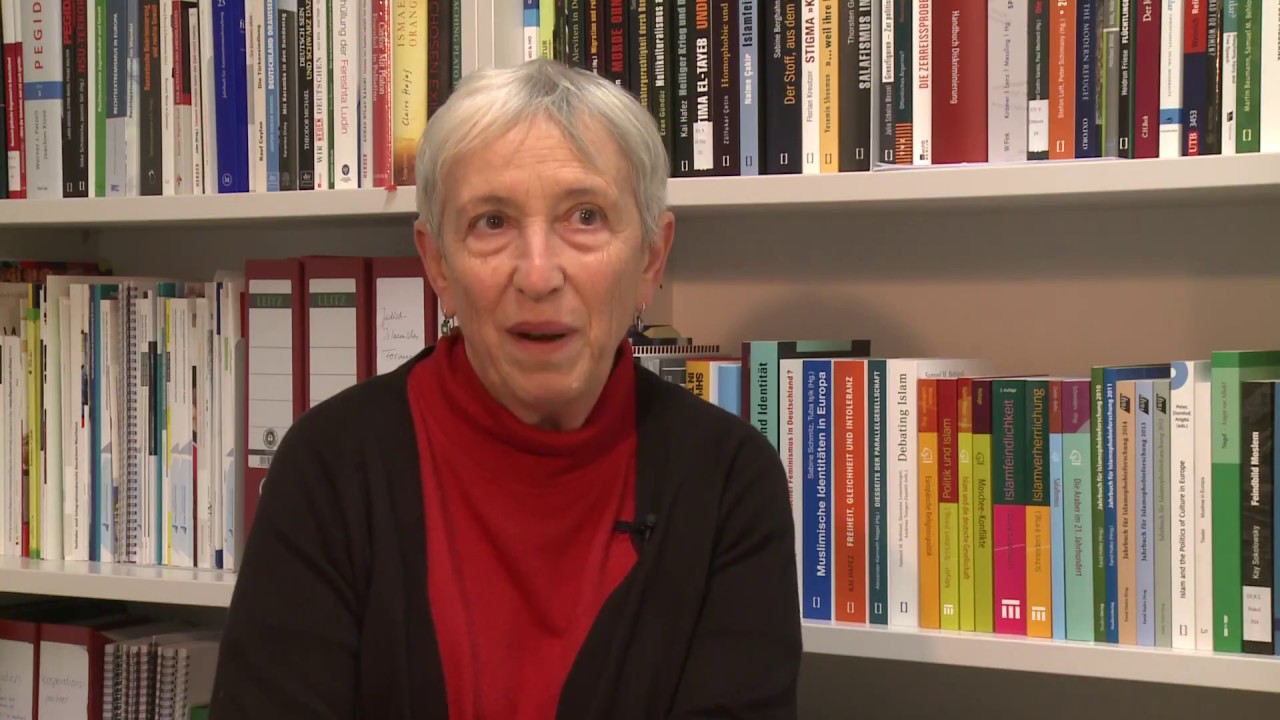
(821, 86)
(1130, 505)
(140, 415)
(255, 97)
(180, 97)
(71, 658)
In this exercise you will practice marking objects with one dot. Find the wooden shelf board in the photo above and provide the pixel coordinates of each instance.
(998, 652)
(1058, 182)
(117, 581)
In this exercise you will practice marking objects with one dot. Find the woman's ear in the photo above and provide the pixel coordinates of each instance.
(655, 257)
(433, 263)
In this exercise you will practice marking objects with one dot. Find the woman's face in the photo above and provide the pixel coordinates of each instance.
(543, 262)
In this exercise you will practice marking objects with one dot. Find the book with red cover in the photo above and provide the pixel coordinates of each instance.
(960, 81)
(1146, 80)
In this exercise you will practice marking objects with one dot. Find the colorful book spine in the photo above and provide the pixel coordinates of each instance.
(877, 495)
(1195, 76)
(1162, 487)
(1171, 72)
(760, 363)
(1257, 449)
(983, 520)
(1103, 441)
(1009, 548)
(1077, 473)
(1144, 521)
(411, 40)
(1229, 370)
(948, 507)
(817, 489)
(1087, 145)
(827, 95)
(12, 34)
(964, 481)
(728, 387)
(1146, 80)
(1230, 47)
(748, 99)
(927, 501)
(848, 473)
(922, 87)
(1039, 513)
(1275, 523)
(887, 74)
(1126, 512)
(1062, 86)
(961, 109)
(230, 108)
(1269, 102)
(903, 81)
(1057, 498)
(43, 90)
(1249, 68)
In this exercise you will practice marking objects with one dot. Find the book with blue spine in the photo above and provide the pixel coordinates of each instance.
(230, 99)
(1103, 444)
(1143, 545)
(271, 57)
(729, 386)
(1056, 500)
(816, 576)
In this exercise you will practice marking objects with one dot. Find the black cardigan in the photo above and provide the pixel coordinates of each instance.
(330, 617)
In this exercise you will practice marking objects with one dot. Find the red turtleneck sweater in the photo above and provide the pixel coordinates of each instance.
(521, 546)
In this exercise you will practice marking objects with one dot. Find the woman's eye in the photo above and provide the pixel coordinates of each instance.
(492, 222)
(588, 216)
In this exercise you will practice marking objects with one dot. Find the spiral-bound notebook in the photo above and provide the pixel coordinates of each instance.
(187, 671)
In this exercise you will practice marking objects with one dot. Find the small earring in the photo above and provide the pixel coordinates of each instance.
(639, 319)
(447, 325)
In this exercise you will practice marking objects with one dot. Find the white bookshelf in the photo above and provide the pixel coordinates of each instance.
(117, 581)
(886, 250)
(1112, 182)
(1056, 657)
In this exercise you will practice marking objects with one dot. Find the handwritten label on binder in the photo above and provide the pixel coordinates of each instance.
(17, 665)
(64, 680)
(400, 331)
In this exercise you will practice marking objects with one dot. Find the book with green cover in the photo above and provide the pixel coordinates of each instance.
(1228, 370)
(1077, 478)
(983, 520)
(1246, 17)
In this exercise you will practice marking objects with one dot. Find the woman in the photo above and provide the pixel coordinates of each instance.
(521, 522)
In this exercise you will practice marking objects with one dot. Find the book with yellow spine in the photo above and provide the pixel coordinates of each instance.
(409, 83)
(948, 506)
(829, 87)
(964, 484)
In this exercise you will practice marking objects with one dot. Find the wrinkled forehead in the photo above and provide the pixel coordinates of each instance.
(577, 161)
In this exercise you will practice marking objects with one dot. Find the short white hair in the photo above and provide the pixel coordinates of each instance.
(488, 103)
